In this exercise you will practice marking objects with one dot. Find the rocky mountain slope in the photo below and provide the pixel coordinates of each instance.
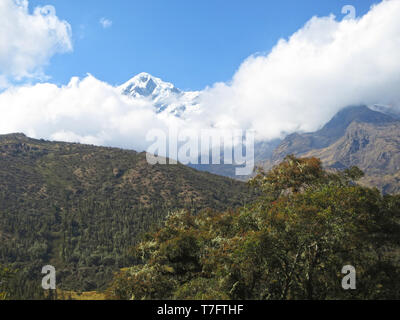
(356, 136)
(374, 148)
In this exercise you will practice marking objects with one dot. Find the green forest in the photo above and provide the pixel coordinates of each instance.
(291, 243)
(112, 224)
(82, 208)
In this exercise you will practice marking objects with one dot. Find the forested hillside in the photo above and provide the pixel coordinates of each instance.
(292, 243)
(112, 224)
(80, 208)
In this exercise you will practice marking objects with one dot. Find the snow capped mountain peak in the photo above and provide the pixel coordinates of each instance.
(146, 85)
(164, 95)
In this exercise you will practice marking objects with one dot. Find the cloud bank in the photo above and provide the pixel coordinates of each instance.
(323, 67)
(87, 111)
(326, 65)
(29, 40)
(105, 23)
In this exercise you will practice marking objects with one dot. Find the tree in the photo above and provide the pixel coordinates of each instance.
(291, 243)
(5, 276)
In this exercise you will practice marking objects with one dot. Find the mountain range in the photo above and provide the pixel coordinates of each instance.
(355, 136)
(81, 208)
(368, 137)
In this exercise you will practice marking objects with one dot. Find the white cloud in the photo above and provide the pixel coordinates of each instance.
(299, 85)
(86, 110)
(105, 23)
(29, 40)
(324, 66)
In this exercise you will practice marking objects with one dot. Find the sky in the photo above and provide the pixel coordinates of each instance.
(273, 67)
(192, 44)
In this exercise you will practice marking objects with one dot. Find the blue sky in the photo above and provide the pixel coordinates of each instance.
(189, 43)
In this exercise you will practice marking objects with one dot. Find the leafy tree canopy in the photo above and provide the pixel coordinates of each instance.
(290, 244)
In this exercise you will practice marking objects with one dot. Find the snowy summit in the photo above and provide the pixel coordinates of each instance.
(164, 95)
